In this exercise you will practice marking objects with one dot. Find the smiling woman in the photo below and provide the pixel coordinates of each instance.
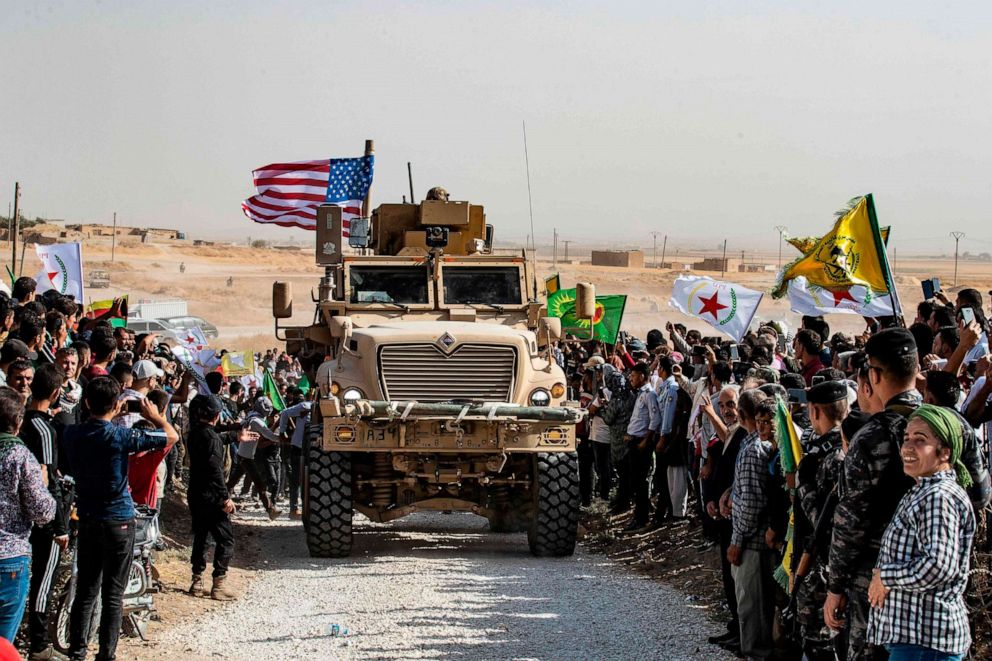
(922, 568)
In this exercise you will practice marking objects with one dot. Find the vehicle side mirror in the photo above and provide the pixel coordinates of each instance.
(490, 237)
(548, 330)
(585, 300)
(282, 300)
(358, 233)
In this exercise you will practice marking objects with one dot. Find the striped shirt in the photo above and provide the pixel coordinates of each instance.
(924, 561)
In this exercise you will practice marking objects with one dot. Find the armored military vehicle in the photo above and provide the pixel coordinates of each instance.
(437, 388)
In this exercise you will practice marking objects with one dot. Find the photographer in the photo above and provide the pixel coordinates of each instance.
(98, 452)
(599, 431)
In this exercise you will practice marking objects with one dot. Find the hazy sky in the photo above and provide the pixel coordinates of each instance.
(700, 119)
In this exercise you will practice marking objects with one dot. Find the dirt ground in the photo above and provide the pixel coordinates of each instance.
(173, 604)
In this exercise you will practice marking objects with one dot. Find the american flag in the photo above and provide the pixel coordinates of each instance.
(289, 193)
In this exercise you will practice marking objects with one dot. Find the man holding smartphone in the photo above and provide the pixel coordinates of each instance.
(98, 452)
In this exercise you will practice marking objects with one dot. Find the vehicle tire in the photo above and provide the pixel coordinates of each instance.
(58, 618)
(328, 510)
(556, 507)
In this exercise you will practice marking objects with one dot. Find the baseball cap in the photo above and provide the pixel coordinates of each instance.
(891, 345)
(14, 349)
(210, 407)
(827, 392)
(636, 345)
(146, 369)
(263, 406)
(594, 361)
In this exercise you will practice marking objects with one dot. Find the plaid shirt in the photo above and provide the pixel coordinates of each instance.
(924, 561)
(752, 480)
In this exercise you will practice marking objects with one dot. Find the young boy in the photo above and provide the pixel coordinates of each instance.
(210, 504)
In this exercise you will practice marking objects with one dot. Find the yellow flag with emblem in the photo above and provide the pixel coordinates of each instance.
(805, 243)
(852, 253)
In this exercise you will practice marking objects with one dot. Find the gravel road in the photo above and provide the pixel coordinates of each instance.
(436, 586)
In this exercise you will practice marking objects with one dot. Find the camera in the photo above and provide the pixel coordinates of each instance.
(436, 237)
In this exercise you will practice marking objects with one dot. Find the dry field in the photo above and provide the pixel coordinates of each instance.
(242, 311)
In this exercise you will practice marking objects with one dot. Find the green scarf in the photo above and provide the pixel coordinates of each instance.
(946, 425)
(8, 442)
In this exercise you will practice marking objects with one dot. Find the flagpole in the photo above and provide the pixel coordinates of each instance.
(884, 259)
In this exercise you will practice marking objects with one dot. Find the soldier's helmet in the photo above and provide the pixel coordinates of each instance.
(437, 193)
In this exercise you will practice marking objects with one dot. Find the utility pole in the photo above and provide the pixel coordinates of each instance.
(554, 248)
(113, 241)
(566, 250)
(654, 257)
(723, 264)
(781, 230)
(14, 226)
(957, 239)
(664, 245)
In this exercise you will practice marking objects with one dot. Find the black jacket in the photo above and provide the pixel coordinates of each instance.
(207, 486)
(43, 441)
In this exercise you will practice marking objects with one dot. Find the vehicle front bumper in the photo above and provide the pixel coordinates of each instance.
(453, 428)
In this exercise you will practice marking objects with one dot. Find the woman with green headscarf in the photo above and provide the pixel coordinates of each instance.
(917, 591)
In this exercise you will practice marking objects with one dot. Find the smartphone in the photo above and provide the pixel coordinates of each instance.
(735, 355)
(797, 395)
(133, 405)
(819, 379)
(930, 288)
(967, 315)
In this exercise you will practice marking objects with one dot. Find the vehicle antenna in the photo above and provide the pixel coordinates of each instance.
(530, 206)
(409, 174)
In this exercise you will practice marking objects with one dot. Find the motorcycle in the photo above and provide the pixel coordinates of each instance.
(142, 584)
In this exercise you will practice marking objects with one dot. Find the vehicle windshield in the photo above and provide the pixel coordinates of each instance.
(482, 285)
(389, 284)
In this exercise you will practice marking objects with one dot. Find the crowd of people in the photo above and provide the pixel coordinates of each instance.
(91, 418)
(861, 547)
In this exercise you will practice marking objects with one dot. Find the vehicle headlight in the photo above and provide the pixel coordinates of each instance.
(352, 395)
(540, 397)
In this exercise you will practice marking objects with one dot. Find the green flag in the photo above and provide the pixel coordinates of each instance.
(304, 385)
(605, 323)
(271, 391)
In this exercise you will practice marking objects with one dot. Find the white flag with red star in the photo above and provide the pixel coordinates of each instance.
(813, 301)
(193, 338)
(61, 269)
(727, 307)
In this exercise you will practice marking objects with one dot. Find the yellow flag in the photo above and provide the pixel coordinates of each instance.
(238, 364)
(552, 284)
(852, 253)
(805, 243)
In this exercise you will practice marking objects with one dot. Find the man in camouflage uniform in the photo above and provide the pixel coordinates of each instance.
(873, 483)
(616, 414)
(816, 481)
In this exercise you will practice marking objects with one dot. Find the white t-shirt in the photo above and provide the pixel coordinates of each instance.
(599, 431)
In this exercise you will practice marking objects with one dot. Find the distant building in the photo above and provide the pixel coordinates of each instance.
(755, 267)
(718, 264)
(632, 259)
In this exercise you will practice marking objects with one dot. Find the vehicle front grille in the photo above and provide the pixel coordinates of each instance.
(472, 372)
